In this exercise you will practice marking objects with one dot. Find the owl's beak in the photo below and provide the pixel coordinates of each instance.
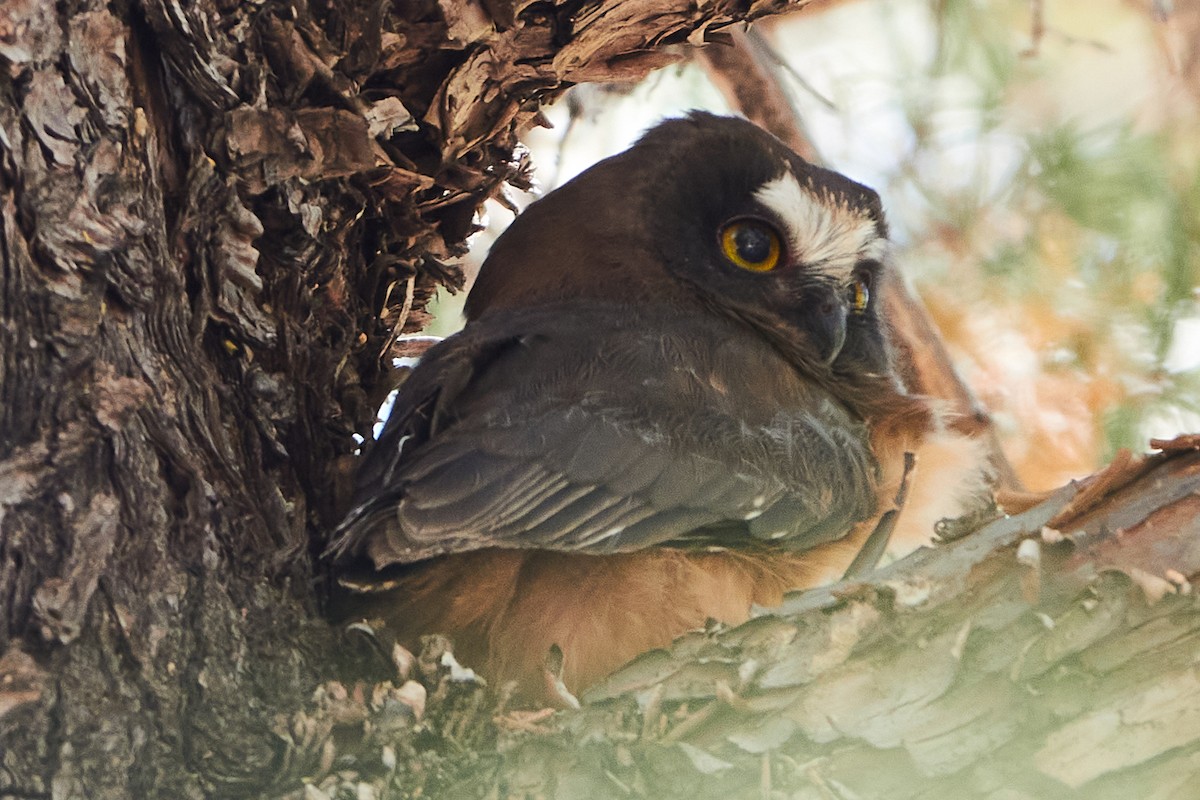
(825, 318)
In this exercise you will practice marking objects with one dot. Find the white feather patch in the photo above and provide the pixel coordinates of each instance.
(824, 232)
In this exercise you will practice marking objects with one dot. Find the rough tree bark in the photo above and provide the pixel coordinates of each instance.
(215, 217)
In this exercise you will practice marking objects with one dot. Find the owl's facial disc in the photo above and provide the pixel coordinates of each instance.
(824, 304)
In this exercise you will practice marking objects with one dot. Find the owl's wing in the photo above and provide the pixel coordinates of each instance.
(448, 475)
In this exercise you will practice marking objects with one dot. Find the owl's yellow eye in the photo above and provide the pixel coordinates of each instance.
(751, 245)
(860, 295)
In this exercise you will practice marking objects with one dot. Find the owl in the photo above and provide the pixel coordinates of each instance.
(674, 399)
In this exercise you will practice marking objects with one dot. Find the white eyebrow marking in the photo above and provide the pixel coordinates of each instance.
(825, 233)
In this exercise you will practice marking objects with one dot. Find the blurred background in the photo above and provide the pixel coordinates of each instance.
(1039, 163)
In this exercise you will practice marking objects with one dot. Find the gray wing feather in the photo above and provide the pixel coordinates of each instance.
(591, 469)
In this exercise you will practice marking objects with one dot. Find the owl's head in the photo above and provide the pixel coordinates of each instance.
(714, 211)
